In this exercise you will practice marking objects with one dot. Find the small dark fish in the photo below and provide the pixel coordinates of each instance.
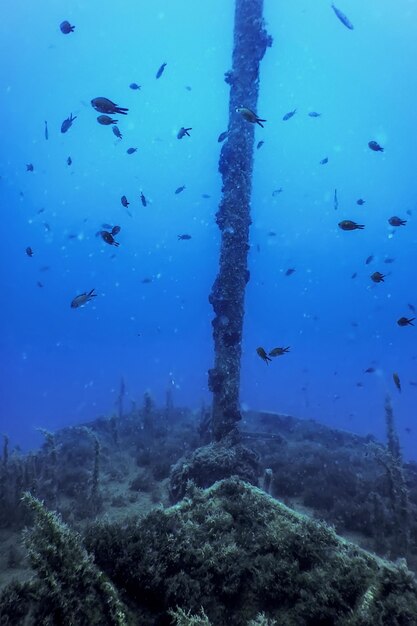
(104, 105)
(342, 17)
(324, 161)
(369, 259)
(277, 191)
(374, 145)
(409, 212)
(44, 268)
(263, 355)
(389, 260)
(407, 430)
(222, 136)
(105, 120)
(124, 201)
(47, 227)
(180, 189)
(188, 88)
(314, 114)
(117, 132)
(272, 233)
(115, 230)
(66, 124)
(143, 199)
(359, 384)
(406, 321)
(397, 381)
(161, 70)
(411, 307)
(369, 370)
(39, 284)
(72, 236)
(279, 351)
(350, 225)
(146, 281)
(259, 144)
(397, 221)
(29, 167)
(205, 195)
(335, 200)
(82, 299)
(46, 131)
(131, 150)
(360, 202)
(29, 251)
(413, 383)
(182, 132)
(354, 274)
(250, 116)
(289, 115)
(66, 28)
(107, 226)
(377, 277)
(69, 161)
(108, 238)
(290, 271)
(184, 237)
(134, 86)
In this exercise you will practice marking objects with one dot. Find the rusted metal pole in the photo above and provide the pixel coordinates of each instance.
(233, 218)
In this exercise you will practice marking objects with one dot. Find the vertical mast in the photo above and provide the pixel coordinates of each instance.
(233, 217)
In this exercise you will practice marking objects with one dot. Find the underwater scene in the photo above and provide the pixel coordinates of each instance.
(209, 313)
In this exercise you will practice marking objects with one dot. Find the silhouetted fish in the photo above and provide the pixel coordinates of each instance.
(342, 17)
(160, 70)
(396, 380)
(374, 145)
(289, 115)
(66, 28)
(66, 124)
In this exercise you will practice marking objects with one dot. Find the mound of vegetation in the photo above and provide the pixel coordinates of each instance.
(227, 554)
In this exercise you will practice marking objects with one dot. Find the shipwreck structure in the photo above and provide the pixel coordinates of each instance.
(233, 218)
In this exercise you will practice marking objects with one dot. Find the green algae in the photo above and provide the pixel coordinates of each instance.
(229, 554)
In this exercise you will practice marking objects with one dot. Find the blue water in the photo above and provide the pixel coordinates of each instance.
(60, 365)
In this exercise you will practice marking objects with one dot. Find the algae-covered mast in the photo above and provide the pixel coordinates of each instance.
(233, 217)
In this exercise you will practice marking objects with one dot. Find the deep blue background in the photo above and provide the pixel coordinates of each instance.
(61, 366)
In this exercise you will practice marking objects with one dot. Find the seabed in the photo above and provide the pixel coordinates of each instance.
(139, 519)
